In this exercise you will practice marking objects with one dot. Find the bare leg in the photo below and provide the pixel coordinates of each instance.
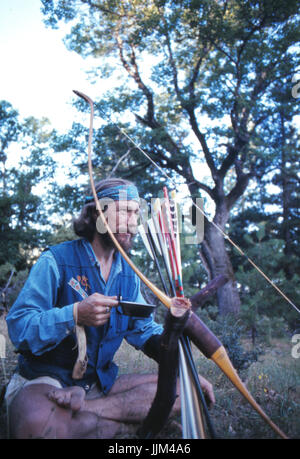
(74, 397)
(127, 382)
(33, 415)
(128, 401)
(42, 411)
(129, 405)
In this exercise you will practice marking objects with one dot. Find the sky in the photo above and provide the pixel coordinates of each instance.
(38, 73)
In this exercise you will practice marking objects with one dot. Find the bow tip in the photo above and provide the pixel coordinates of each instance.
(83, 96)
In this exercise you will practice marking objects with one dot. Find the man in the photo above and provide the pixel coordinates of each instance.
(79, 283)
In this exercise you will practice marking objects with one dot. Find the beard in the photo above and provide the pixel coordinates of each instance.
(124, 239)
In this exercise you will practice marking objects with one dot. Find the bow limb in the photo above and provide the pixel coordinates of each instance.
(196, 330)
(213, 349)
(157, 292)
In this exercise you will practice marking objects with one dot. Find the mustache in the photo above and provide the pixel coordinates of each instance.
(132, 230)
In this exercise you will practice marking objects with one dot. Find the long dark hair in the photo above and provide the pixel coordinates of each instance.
(85, 225)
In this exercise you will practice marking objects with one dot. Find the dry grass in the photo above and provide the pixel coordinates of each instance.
(274, 382)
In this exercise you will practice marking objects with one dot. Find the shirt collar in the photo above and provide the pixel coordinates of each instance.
(117, 260)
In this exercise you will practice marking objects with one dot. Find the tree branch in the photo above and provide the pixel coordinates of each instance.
(190, 105)
(172, 62)
(200, 298)
(201, 137)
(119, 162)
(228, 161)
(238, 190)
(133, 71)
(98, 7)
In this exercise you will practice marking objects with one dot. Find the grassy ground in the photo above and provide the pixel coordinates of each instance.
(274, 381)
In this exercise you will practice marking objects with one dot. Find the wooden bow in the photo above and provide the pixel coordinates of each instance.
(195, 329)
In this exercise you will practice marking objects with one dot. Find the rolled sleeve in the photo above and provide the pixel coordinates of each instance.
(33, 322)
(143, 329)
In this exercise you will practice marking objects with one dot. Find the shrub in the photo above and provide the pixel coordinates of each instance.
(230, 332)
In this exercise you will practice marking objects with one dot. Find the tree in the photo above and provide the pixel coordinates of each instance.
(25, 164)
(10, 130)
(203, 75)
(285, 177)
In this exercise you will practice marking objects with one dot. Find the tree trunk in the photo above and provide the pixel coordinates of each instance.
(216, 261)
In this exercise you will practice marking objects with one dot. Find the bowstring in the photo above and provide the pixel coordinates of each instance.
(217, 227)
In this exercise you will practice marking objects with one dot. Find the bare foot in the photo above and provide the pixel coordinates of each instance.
(69, 397)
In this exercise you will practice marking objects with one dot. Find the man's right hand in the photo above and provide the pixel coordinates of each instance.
(94, 310)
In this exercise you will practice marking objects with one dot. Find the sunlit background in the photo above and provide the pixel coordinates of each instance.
(38, 73)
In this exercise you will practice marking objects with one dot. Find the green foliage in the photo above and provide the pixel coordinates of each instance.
(62, 231)
(275, 382)
(16, 286)
(265, 313)
(11, 282)
(196, 84)
(230, 332)
(5, 270)
(24, 211)
(215, 58)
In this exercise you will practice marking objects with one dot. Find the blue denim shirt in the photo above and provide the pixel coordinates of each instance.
(41, 323)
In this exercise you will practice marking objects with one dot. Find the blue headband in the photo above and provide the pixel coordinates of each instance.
(117, 193)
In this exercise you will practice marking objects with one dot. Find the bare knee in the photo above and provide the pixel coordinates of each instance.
(36, 424)
(84, 425)
(33, 415)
